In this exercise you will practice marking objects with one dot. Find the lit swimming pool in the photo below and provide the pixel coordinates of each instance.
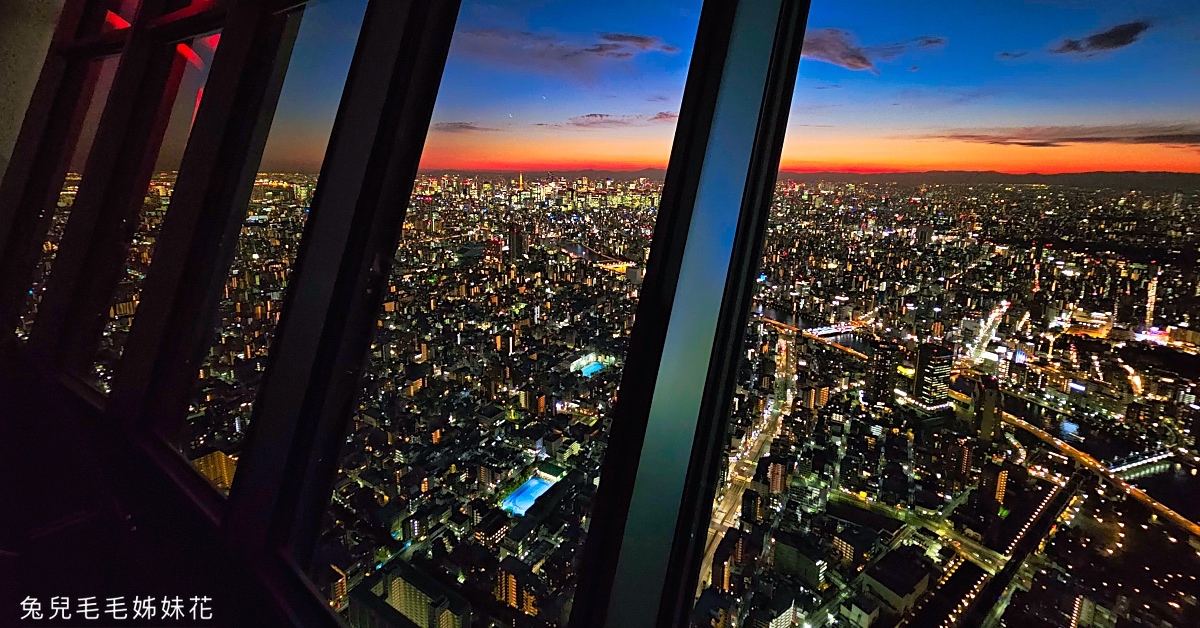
(521, 499)
(591, 369)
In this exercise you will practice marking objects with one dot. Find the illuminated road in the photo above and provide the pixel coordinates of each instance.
(728, 508)
(968, 549)
(986, 558)
(1100, 469)
(975, 351)
(728, 503)
(793, 328)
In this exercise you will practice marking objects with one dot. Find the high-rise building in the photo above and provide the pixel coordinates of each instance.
(777, 474)
(218, 466)
(516, 586)
(987, 407)
(518, 245)
(932, 380)
(993, 485)
(958, 462)
(723, 562)
(812, 496)
(754, 507)
(924, 234)
(1151, 297)
(886, 356)
(412, 593)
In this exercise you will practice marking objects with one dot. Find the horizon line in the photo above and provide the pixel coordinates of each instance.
(859, 171)
(851, 171)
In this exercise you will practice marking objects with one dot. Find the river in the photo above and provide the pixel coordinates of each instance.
(1178, 490)
(851, 340)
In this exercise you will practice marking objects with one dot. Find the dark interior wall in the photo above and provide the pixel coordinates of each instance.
(26, 27)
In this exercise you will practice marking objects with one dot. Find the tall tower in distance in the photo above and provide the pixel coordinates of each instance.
(1151, 295)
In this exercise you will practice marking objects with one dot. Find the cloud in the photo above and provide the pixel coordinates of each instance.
(1116, 37)
(813, 107)
(836, 46)
(642, 42)
(1183, 134)
(459, 127)
(1012, 55)
(939, 97)
(914, 68)
(840, 47)
(552, 54)
(592, 120)
(606, 120)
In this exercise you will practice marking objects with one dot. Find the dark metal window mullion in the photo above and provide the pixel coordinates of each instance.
(700, 486)
(108, 205)
(198, 240)
(283, 483)
(656, 489)
(38, 164)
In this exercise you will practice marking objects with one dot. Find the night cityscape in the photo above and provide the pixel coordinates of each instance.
(966, 394)
(949, 393)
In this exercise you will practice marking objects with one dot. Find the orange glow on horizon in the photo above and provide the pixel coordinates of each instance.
(862, 155)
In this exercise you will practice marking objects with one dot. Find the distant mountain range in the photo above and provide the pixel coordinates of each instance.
(1119, 180)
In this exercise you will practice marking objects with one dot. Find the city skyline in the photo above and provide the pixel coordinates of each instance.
(1037, 87)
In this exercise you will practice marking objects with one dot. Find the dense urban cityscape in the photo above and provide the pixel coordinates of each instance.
(958, 405)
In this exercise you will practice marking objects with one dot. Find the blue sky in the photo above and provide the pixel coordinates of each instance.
(1016, 86)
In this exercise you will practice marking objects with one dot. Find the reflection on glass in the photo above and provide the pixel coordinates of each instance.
(117, 15)
(467, 477)
(224, 394)
(949, 377)
(198, 55)
(100, 76)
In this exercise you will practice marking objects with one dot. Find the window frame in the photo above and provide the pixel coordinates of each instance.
(271, 518)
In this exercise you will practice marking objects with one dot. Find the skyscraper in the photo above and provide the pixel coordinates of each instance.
(881, 374)
(517, 243)
(933, 376)
(1151, 296)
(987, 407)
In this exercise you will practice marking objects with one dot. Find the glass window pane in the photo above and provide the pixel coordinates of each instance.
(472, 460)
(99, 82)
(224, 394)
(198, 55)
(953, 321)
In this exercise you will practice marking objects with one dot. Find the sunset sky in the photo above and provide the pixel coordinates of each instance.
(1036, 86)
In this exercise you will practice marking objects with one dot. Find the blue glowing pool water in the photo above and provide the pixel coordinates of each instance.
(591, 369)
(521, 499)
